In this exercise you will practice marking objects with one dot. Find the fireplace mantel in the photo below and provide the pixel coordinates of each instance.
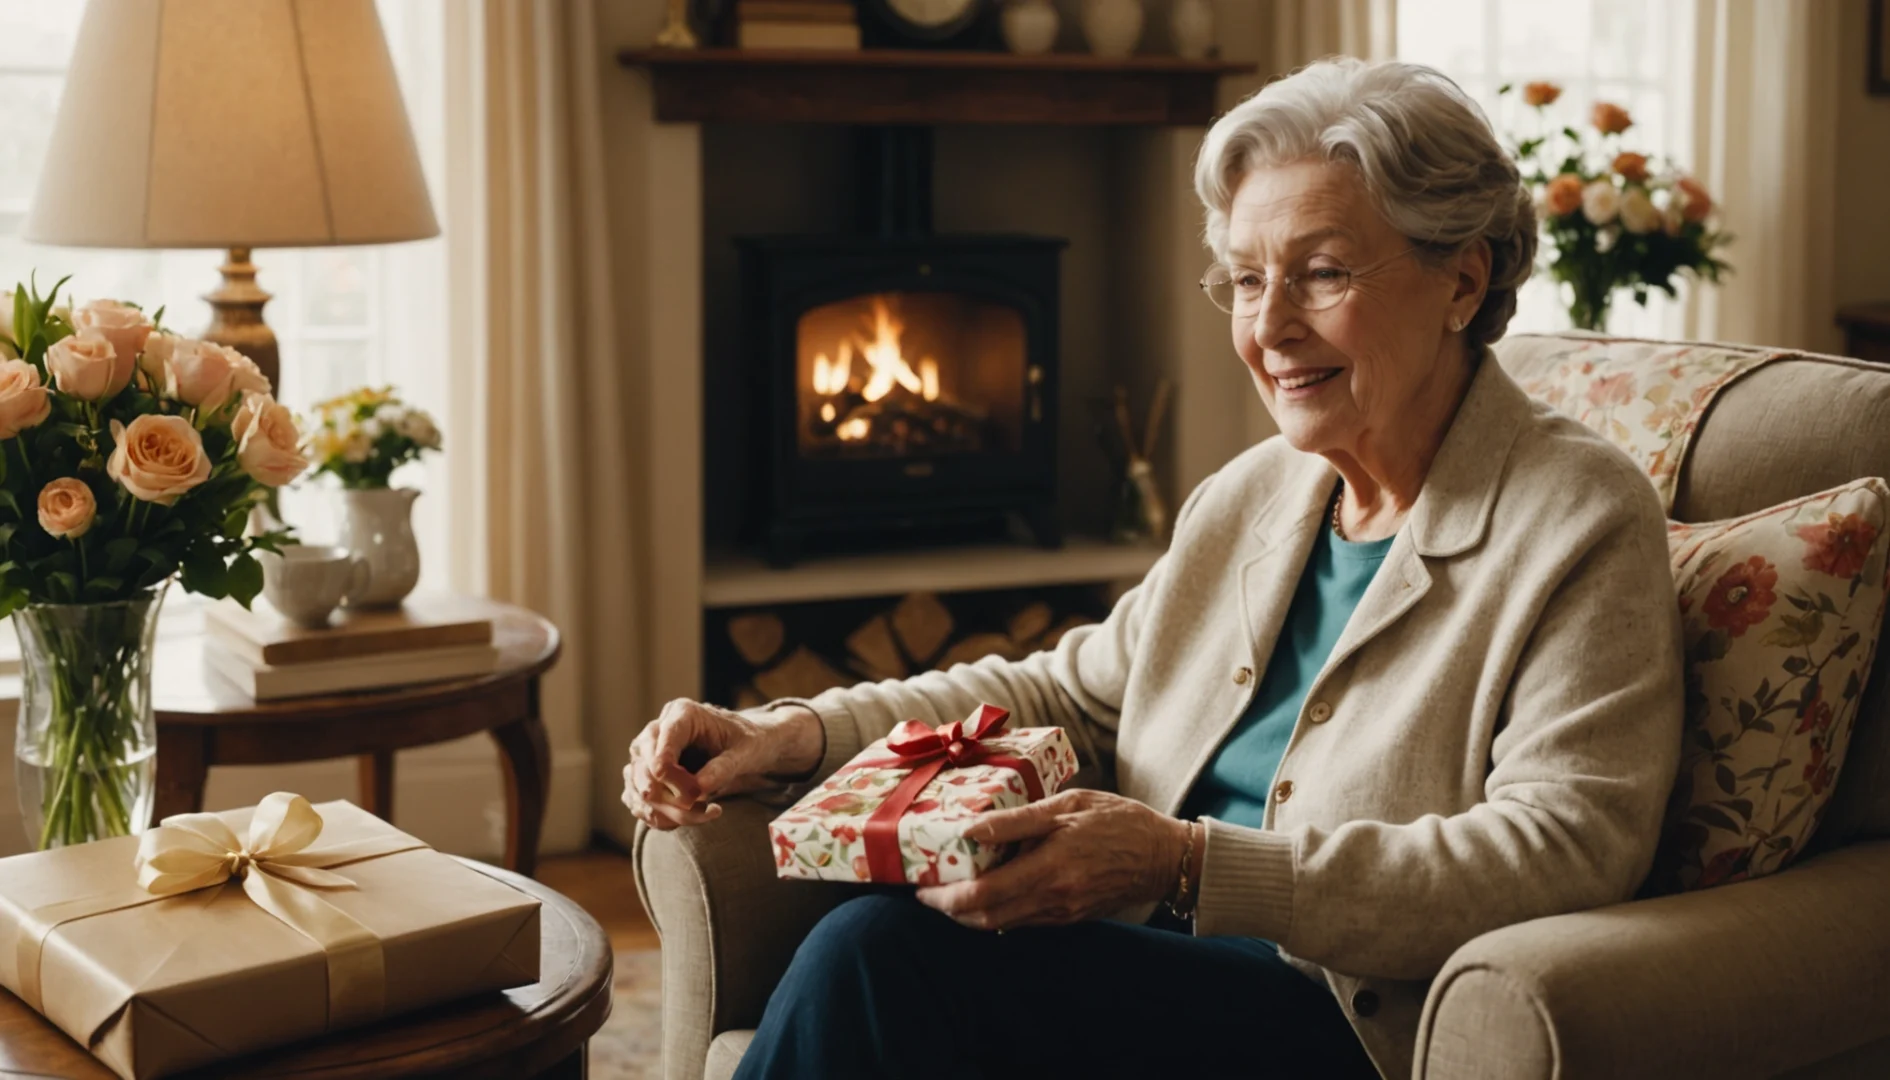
(909, 86)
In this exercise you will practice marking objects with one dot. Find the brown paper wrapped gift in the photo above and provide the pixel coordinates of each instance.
(334, 919)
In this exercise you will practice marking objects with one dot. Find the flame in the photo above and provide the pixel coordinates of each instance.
(928, 376)
(831, 377)
(854, 429)
(883, 356)
(826, 410)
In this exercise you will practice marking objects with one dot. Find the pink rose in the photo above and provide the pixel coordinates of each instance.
(208, 375)
(124, 326)
(66, 507)
(24, 402)
(158, 458)
(268, 446)
(83, 365)
(158, 349)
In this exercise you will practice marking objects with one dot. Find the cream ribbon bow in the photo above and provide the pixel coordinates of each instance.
(197, 851)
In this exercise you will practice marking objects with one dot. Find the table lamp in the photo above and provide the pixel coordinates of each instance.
(231, 124)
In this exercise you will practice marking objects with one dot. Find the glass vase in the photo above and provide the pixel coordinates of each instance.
(86, 753)
(1590, 309)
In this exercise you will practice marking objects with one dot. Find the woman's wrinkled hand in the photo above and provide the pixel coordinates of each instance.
(733, 753)
(1086, 854)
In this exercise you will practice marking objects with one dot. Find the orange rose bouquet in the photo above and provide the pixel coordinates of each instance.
(128, 456)
(1615, 218)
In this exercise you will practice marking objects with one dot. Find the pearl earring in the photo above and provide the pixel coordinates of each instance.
(1456, 324)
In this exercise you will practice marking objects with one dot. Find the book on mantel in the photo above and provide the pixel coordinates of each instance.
(263, 637)
(796, 24)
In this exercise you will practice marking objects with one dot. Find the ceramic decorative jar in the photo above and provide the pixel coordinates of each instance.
(1191, 22)
(1112, 27)
(1030, 26)
(378, 527)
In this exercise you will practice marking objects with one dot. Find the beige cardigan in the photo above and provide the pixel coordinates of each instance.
(1492, 739)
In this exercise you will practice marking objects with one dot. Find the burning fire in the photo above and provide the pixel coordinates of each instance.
(885, 361)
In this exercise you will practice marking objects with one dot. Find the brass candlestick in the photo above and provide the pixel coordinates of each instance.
(677, 34)
(236, 317)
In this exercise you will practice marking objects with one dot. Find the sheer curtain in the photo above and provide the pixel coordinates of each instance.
(552, 491)
(1765, 131)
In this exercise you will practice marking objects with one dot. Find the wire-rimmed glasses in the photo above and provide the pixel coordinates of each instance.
(1239, 290)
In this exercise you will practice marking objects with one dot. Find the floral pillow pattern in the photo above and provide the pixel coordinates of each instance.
(1781, 612)
(1645, 397)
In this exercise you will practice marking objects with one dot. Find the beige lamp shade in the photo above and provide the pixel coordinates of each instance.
(230, 124)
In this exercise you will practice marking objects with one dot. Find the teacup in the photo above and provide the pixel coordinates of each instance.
(308, 581)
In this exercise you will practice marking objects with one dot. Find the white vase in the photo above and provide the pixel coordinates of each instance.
(378, 526)
(1030, 26)
(1192, 24)
(1112, 26)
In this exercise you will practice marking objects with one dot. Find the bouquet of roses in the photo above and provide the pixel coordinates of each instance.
(1616, 217)
(127, 456)
(365, 435)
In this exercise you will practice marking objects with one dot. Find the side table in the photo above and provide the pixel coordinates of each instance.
(1866, 331)
(203, 720)
(541, 1031)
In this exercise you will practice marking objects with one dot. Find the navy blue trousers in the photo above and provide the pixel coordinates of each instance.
(887, 987)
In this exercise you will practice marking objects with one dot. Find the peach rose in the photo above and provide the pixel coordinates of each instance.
(1565, 194)
(158, 350)
(1631, 166)
(268, 446)
(124, 326)
(1695, 203)
(208, 375)
(83, 365)
(1540, 93)
(1611, 119)
(158, 458)
(1638, 214)
(1600, 201)
(66, 507)
(24, 402)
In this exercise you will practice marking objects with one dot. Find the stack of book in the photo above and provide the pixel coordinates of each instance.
(428, 639)
(797, 24)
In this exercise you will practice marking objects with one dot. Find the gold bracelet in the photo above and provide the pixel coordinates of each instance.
(1182, 905)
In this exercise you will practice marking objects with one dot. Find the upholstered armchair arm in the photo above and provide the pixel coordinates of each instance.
(729, 926)
(1748, 979)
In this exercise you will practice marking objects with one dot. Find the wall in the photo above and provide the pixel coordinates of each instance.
(1863, 174)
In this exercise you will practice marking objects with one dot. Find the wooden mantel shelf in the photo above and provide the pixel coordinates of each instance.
(900, 86)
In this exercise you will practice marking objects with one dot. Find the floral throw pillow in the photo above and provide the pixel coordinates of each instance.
(1781, 610)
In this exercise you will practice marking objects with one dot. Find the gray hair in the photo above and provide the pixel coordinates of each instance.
(1423, 148)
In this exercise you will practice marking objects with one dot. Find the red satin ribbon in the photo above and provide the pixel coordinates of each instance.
(928, 751)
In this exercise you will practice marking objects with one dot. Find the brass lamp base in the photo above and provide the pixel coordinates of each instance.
(236, 317)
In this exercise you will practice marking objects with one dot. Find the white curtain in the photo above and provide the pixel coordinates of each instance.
(1765, 142)
(536, 341)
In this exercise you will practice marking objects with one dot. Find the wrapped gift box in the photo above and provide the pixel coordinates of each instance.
(156, 986)
(827, 834)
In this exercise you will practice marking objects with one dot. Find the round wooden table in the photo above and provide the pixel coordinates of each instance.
(542, 1030)
(204, 720)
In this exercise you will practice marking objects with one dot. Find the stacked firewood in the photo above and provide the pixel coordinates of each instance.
(916, 634)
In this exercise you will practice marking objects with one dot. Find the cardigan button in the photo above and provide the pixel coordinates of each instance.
(1365, 1003)
(1319, 713)
(1243, 676)
(1283, 792)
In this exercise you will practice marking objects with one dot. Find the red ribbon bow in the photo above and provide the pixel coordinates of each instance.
(928, 751)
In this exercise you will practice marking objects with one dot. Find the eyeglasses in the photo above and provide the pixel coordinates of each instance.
(1239, 291)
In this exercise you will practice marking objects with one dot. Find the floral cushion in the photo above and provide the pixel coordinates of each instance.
(1645, 397)
(1781, 610)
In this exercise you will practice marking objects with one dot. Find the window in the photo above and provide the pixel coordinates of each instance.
(1628, 52)
(345, 316)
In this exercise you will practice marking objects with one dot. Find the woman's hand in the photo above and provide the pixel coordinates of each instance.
(737, 753)
(1086, 854)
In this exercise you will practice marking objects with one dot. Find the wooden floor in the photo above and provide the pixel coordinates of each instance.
(604, 884)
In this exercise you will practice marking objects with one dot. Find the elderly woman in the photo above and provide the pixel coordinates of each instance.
(1409, 672)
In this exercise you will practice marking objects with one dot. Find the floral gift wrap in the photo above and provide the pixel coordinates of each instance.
(897, 812)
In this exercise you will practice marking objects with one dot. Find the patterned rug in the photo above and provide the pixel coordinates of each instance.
(630, 1045)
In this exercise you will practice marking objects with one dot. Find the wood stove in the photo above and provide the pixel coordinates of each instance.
(905, 383)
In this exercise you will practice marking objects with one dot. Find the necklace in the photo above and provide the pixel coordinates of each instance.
(1338, 528)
